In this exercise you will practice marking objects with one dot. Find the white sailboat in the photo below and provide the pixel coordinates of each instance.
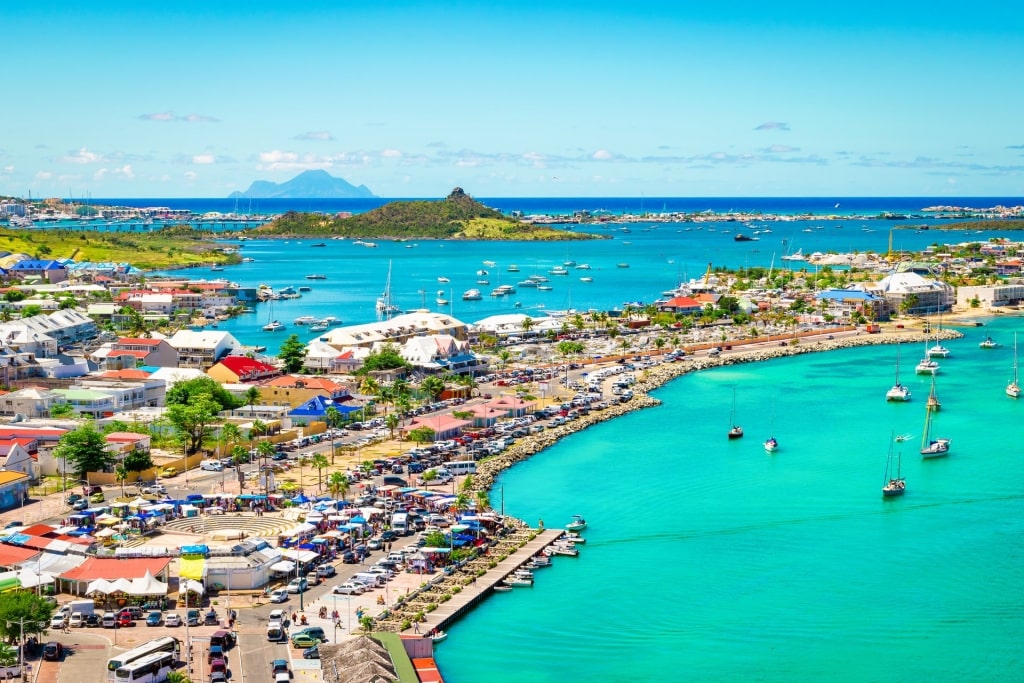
(735, 431)
(938, 351)
(927, 366)
(1013, 388)
(772, 444)
(932, 447)
(898, 392)
(386, 309)
(895, 484)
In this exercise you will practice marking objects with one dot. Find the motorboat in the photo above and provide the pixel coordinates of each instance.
(577, 523)
(545, 288)
(586, 279)
(989, 343)
(316, 276)
(304, 320)
(472, 295)
(573, 537)
(515, 581)
(305, 288)
(771, 445)
(736, 431)
(319, 326)
(622, 265)
(938, 351)
(527, 283)
(438, 636)
(561, 549)
(273, 326)
(503, 589)
(513, 268)
(482, 272)
(583, 266)
(559, 270)
(443, 279)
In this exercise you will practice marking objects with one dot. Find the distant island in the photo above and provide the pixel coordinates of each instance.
(458, 216)
(306, 185)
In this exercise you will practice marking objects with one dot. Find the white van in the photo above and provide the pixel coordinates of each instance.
(458, 467)
(371, 579)
(211, 466)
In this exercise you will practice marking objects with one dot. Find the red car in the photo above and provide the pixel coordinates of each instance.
(125, 620)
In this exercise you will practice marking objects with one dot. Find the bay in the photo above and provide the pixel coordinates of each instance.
(708, 559)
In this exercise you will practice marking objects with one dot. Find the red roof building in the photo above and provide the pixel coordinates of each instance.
(234, 369)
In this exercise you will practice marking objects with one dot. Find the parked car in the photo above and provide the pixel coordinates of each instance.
(279, 666)
(216, 652)
(124, 620)
(58, 622)
(219, 677)
(97, 497)
(79, 505)
(374, 544)
(279, 595)
(315, 632)
(211, 617)
(311, 652)
(192, 617)
(154, 489)
(73, 498)
(154, 619)
(304, 640)
(389, 536)
(326, 571)
(348, 588)
(299, 585)
(349, 557)
(53, 651)
(77, 620)
(172, 619)
(93, 621)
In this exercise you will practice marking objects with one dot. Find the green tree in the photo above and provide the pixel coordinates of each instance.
(21, 607)
(86, 450)
(8, 655)
(386, 358)
(421, 435)
(320, 463)
(337, 484)
(251, 398)
(434, 386)
(60, 410)
(391, 422)
(31, 310)
(178, 677)
(193, 421)
(120, 475)
(134, 324)
(526, 324)
(137, 461)
(293, 353)
(182, 393)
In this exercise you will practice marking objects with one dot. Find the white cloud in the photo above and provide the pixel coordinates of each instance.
(8, 170)
(319, 135)
(82, 156)
(780, 149)
(203, 159)
(171, 116)
(159, 116)
(773, 125)
(601, 155)
(277, 156)
(391, 154)
(125, 172)
(44, 175)
(191, 175)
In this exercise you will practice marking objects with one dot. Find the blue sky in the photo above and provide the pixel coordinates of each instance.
(505, 99)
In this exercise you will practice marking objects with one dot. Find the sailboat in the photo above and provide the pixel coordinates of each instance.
(898, 391)
(386, 309)
(927, 366)
(272, 325)
(938, 350)
(1013, 388)
(772, 444)
(933, 399)
(988, 343)
(895, 485)
(932, 448)
(736, 431)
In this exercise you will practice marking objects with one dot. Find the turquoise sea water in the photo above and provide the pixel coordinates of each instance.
(658, 257)
(710, 560)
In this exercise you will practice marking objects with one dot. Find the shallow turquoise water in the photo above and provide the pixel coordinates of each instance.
(710, 560)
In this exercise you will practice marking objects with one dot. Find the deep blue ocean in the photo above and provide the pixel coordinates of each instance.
(707, 559)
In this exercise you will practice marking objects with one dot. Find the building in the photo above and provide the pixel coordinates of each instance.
(203, 349)
(236, 369)
(294, 390)
(681, 304)
(14, 458)
(842, 304)
(990, 296)
(133, 352)
(440, 353)
(13, 489)
(50, 271)
(911, 293)
(397, 330)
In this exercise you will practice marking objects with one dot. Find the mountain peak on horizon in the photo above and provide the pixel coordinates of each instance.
(312, 184)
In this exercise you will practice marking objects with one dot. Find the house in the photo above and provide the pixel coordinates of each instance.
(441, 353)
(14, 458)
(51, 271)
(30, 402)
(204, 348)
(235, 369)
(843, 303)
(445, 426)
(322, 357)
(13, 489)
(126, 442)
(513, 406)
(682, 304)
(294, 390)
(133, 352)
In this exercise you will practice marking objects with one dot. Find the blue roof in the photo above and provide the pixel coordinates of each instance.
(845, 294)
(35, 264)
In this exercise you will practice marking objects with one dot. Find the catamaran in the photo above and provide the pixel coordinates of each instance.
(1013, 388)
(932, 447)
(898, 392)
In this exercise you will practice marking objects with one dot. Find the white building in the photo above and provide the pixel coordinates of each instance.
(203, 349)
(397, 330)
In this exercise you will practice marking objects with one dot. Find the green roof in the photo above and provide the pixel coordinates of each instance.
(399, 657)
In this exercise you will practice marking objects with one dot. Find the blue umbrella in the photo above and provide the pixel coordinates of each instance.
(300, 499)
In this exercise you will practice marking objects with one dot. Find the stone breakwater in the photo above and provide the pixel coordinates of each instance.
(652, 378)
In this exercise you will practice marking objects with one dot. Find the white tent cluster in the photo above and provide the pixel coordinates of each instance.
(145, 585)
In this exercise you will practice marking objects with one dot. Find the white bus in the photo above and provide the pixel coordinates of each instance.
(459, 467)
(150, 669)
(166, 644)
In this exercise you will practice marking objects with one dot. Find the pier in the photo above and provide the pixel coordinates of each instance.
(453, 594)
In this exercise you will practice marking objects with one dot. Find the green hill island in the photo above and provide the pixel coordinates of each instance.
(458, 216)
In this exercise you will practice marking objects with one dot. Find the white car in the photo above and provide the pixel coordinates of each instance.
(77, 620)
(277, 615)
(172, 619)
(58, 622)
(155, 488)
(349, 588)
(279, 595)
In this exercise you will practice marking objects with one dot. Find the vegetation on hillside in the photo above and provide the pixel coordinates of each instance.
(456, 216)
(171, 247)
(990, 224)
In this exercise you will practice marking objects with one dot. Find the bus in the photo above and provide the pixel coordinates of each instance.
(459, 467)
(150, 669)
(166, 644)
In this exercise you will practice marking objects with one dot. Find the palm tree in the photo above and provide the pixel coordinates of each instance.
(251, 398)
(121, 474)
(434, 386)
(504, 356)
(230, 435)
(482, 501)
(337, 484)
(461, 502)
(320, 463)
(526, 324)
(468, 382)
(391, 422)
